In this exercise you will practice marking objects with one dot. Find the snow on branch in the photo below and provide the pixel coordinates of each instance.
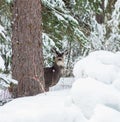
(2, 31)
(58, 8)
(54, 4)
(5, 81)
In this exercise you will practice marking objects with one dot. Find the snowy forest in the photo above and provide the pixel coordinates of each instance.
(82, 35)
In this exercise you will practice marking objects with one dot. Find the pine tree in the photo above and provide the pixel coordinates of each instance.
(27, 59)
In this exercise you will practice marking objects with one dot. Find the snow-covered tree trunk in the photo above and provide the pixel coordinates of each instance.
(27, 59)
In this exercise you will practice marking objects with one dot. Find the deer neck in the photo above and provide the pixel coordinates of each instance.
(58, 69)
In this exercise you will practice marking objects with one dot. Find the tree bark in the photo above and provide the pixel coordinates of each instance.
(101, 16)
(27, 59)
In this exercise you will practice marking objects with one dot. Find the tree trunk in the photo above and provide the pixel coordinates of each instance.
(27, 60)
(101, 16)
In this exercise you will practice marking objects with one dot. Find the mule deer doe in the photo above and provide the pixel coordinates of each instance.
(53, 74)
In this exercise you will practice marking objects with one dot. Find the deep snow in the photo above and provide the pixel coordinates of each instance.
(94, 96)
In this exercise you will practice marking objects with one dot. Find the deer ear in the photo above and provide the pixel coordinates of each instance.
(65, 52)
(53, 50)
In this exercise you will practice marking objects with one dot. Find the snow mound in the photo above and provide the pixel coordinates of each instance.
(105, 114)
(94, 96)
(86, 93)
(98, 83)
(49, 107)
(64, 83)
(100, 65)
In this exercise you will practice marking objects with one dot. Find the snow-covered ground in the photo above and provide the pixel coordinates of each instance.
(92, 96)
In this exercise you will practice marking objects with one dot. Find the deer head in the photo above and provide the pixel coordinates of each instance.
(59, 57)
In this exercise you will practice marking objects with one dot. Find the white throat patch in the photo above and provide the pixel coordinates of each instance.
(60, 63)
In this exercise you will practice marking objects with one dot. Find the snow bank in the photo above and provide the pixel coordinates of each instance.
(87, 93)
(94, 96)
(100, 65)
(64, 83)
(98, 82)
(49, 107)
(105, 114)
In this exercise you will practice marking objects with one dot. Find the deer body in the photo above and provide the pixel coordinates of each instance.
(53, 74)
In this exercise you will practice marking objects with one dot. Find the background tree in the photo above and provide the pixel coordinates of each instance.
(27, 59)
(81, 26)
(5, 34)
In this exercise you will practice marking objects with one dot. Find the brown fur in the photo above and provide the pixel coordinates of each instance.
(53, 74)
